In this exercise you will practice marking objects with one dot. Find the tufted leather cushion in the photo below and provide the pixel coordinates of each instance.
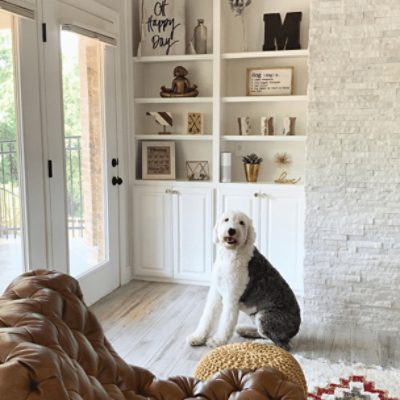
(53, 348)
(251, 355)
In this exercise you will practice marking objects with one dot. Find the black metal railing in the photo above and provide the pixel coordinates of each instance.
(10, 203)
(10, 208)
(76, 223)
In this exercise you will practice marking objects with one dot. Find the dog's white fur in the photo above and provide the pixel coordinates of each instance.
(229, 279)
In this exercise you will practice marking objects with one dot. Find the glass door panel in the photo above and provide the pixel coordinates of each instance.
(11, 229)
(84, 151)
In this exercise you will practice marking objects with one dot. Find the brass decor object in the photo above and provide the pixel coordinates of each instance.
(251, 164)
(284, 160)
(251, 171)
(181, 86)
(285, 181)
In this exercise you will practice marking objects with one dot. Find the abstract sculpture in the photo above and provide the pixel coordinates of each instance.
(162, 118)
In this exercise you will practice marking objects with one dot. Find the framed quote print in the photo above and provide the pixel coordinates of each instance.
(158, 160)
(270, 81)
(163, 28)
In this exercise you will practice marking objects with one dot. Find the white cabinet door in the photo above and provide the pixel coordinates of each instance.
(244, 201)
(278, 218)
(152, 232)
(192, 222)
(285, 241)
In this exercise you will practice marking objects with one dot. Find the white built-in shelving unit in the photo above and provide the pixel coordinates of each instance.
(221, 78)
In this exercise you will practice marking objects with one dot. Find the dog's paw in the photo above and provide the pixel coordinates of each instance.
(196, 340)
(215, 342)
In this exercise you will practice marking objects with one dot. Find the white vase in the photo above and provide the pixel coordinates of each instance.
(226, 167)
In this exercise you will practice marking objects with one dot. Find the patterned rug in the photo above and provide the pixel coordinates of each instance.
(354, 388)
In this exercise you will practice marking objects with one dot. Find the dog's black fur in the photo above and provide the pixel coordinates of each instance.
(275, 304)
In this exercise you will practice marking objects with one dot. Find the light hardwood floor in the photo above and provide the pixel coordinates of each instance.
(147, 324)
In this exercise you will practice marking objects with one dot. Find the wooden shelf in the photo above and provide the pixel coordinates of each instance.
(173, 100)
(260, 138)
(263, 99)
(192, 138)
(183, 58)
(267, 54)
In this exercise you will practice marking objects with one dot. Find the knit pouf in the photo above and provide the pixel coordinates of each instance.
(251, 355)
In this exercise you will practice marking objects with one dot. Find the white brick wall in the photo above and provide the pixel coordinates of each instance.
(352, 266)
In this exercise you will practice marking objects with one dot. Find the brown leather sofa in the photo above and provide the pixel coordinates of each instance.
(53, 348)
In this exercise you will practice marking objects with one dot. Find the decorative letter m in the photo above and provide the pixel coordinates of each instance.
(284, 36)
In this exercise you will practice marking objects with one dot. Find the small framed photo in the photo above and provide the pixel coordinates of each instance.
(195, 123)
(197, 170)
(158, 160)
(270, 81)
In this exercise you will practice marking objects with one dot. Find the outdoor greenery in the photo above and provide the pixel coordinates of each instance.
(9, 184)
(8, 127)
(8, 124)
(72, 122)
(71, 85)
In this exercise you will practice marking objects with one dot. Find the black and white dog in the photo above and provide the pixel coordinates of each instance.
(244, 280)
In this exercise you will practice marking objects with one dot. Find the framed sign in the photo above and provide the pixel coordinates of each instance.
(158, 160)
(195, 123)
(270, 81)
(163, 30)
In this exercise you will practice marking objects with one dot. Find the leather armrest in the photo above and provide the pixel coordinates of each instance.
(265, 383)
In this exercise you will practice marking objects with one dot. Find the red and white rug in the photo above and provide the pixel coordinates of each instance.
(354, 388)
(340, 381)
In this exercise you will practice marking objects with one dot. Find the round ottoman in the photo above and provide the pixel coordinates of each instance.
(251, 355)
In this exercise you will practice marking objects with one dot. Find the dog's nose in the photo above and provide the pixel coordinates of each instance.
(231, 232)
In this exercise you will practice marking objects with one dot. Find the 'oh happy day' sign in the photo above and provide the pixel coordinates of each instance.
(163, 27)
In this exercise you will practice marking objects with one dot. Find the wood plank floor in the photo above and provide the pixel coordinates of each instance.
(147, 323)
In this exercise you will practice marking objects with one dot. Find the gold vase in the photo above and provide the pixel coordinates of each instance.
(251, 171)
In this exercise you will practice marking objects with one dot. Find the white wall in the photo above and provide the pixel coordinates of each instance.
(352, 266)
(113, 4)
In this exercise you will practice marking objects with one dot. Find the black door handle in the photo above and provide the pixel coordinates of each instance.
(116, 180)
(114, 162)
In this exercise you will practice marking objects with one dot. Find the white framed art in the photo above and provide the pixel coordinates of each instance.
(158, 160)
(270, 81)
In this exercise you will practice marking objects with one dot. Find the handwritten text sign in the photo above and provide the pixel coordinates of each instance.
(269, 81)
(163, 27)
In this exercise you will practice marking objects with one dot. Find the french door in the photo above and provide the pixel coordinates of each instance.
(80, 78)
(23, 244)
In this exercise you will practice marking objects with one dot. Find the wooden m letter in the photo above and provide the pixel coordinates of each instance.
(284, 36)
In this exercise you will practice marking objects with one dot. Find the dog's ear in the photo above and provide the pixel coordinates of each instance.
(215, 233)
(251, 234)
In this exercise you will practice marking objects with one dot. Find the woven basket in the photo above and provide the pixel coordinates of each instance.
(251, 355)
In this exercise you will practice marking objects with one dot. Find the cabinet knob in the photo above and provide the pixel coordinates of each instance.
(176, 192)
(256, 195)
(168, 191)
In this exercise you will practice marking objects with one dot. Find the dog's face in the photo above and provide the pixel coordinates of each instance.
(234, 229)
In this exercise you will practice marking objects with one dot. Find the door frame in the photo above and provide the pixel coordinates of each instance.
(52, 105)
